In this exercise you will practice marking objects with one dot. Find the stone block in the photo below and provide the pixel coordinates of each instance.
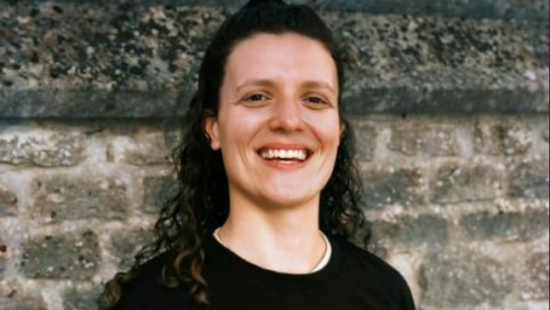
(53, 149)
(74, 299)
(142, 150)
(449, 280)
(61, 257)
(365, 136)
(536, 282)
(428, 140)
(455, 183)
(503, 137)
(8, 202)
(63, 198)
(424, 230)
(401, 186)
(127, 243)
(512, 226)
(158, 190)
(530, 180)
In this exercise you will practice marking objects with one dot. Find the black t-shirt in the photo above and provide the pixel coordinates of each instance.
(353, 279)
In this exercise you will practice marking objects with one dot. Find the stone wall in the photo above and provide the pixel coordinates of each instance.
(449, 100)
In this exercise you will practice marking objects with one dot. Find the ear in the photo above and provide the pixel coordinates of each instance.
(342, 128)
(212, 129)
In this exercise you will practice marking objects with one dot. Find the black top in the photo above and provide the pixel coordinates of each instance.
(353, 279)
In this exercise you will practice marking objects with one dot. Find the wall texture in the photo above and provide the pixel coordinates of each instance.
(449, 99)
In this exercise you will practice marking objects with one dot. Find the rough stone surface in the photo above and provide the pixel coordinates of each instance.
(537, 286)
(157, 191)
(13, 298)
(143, 149)
(365, 136)
(419, 139)
(403, 186)
(74, 257)
(8, 202)
(427, 230)
(62, 198)
(530, 180)
(81, 299)
(511, 226)
(449, 280)
(455, 183)
(126, 244)
(49, 150)
(502, 138)
(133, 61)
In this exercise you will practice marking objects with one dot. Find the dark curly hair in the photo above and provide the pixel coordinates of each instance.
(202, 201)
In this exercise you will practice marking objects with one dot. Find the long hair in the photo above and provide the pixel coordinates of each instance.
(202, 201)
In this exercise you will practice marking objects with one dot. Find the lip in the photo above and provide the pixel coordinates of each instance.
(286, 147)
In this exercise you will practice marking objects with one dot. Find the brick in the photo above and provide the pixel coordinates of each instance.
(410, 231)
(450, 278)
(512, 226)
(403, 186)
(365, 136)
(530, 180)
(8, 202)
(126, 244)
(143, 149)
(536, 284)
(12, 297)
(502, 137)
(74, 299)
(419, 139)
(455, 183)
(157, 190)
(47, 150)
(60, 257)
(62, 198)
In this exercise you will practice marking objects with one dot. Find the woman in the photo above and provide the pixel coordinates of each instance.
(268, 196)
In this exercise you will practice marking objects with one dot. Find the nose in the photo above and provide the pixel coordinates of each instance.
(287, 116)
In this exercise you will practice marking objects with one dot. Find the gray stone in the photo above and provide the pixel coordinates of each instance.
(427, 230)
(536, 284)
(81, 300)
(515, 226)
(8, 203)
(530, 180)
(126, 244)
(365, 136)
(145, 149)
(381, 188)
(504, 137)
(60, 257)
(157, 191)
(55, 150)
(135, 61)
(15, 299)
(454, 183)
(419, 139)
(63, 198)
(449, 280)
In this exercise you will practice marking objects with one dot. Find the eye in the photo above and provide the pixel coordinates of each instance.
(256, 97)
(317, 100)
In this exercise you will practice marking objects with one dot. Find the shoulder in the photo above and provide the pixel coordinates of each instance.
(147, 288)
(365, 264)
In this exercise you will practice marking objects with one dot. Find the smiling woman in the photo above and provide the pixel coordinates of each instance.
(268, 197)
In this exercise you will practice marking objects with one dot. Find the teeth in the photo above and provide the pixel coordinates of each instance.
(285, 154)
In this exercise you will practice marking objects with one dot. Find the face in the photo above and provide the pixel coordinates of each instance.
(279, 92)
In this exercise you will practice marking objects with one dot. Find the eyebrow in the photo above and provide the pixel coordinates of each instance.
(267, 82)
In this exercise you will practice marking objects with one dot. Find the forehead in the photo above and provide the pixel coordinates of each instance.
(281, 57)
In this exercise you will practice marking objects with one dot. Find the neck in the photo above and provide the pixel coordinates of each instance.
(288, 240)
